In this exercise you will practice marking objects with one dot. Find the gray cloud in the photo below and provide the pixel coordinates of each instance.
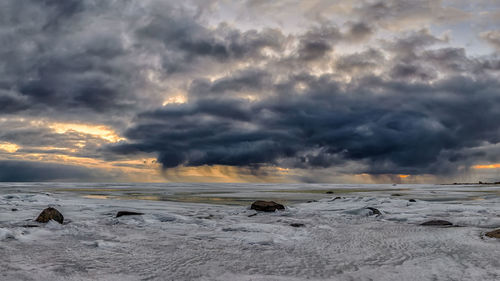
(492, 37)
(327, 95)
(395, 127)
(398, 14)
(51, 60)
(25, 171)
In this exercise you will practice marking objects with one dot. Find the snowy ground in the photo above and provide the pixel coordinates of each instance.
(204, 232)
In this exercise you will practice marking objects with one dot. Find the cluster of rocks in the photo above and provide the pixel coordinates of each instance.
(443, 223)
(51, 213)
(271, 206)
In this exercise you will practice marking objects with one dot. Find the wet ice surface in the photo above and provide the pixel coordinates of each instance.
(204, 232)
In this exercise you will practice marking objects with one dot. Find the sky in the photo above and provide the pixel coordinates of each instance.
(365, 91)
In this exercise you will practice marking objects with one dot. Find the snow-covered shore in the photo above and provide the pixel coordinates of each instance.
(183, 235)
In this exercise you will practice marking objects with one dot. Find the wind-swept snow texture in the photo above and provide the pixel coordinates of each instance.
(207, 232)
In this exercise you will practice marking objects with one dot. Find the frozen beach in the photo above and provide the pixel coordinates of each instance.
(208, 232)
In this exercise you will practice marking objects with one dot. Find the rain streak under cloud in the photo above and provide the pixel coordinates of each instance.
(294, 91)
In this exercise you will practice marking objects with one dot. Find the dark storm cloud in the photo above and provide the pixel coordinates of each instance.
(414, 61)
(451, 60)
(406, 71)
(365, 61)
(409, 103)
(95, 58)
(10, 103)
(319, 41)
(189, 42)
(408, 45)
(396, 14)
(394, 127)
(240, 84)
(25, 171)
(51, 60)
(359, 31)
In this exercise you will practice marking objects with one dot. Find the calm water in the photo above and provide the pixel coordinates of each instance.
(243, 194)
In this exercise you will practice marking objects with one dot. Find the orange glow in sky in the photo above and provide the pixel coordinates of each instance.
(100, 131)
(222, 173)
(491, 166)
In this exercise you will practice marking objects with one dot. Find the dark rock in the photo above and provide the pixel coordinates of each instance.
(374, 211)
(297, 225)
(50, 214)
(128, 213)
(396, 194)
(266, 206)
(336, 198)
(14, 210)
(412, 200)
(30, 225)
(493, 234)
(252, 215)
(329, 192)
(311, 201)
(209, 217)
(437, 223)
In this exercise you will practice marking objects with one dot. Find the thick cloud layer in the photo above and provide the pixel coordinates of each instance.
(419, 116)
(392, 126)
(359, 87)
(26, 171)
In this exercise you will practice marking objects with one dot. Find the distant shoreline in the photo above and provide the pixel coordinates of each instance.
(473, 183)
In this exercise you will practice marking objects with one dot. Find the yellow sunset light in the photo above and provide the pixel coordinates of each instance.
(223, 173)
(9, 147)
(100, 131)
(175, 100)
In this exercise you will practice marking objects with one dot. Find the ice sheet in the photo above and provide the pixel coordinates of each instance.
(204, 232)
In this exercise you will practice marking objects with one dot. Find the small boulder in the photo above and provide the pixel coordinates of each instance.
(396, 194)
(437, 223)
(128, 213)
(374, 211)
(493, 234)
(297, 225)
(412, 200)
(266, 206)
(50, 214)
(14, 210)
(30, 225)
(329, 192)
